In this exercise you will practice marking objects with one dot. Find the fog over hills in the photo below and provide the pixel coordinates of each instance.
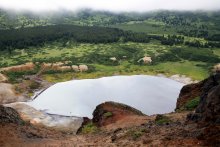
(110, 5)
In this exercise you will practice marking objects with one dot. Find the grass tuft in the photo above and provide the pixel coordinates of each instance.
(108, 114)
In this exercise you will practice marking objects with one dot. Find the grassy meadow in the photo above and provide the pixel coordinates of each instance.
(192, 61)
(80, 53)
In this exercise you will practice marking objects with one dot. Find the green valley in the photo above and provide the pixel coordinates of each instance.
(177, 42)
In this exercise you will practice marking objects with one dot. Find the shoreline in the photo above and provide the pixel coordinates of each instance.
(177, 77)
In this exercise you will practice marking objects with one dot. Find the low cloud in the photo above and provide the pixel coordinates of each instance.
(111, 5)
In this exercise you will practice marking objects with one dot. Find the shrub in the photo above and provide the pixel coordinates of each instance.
(192, 104)
(89, 128)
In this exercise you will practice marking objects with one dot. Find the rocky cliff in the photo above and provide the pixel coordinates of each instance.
(208, 110)
(200, 89)
(207, 113)
(208, 91)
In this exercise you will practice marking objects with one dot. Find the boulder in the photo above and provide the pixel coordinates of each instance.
(145, 59)
(110, 112)
(9, 115)
(83, 68)
(75, 68)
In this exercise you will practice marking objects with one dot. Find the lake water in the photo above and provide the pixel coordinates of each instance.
(149, 94)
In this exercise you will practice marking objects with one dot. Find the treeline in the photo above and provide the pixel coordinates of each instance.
(176, 40)
(172, 40)
(136, 37)
(215, 37)
(22, 38)
(199, 32)
(169, 40)
(35, 36)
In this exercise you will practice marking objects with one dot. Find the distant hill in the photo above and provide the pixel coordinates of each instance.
(197, 20)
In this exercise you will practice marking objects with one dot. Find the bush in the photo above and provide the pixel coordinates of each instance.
(191, 105)
(89, 128)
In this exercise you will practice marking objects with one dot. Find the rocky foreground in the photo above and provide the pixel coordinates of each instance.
(115, 124)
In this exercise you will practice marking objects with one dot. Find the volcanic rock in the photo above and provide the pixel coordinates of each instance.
(110, 112)
(9, 115)
(200, 89)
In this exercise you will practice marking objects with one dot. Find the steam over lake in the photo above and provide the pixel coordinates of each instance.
(149, 94)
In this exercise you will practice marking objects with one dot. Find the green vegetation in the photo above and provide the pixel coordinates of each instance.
(137, 133)
(192, 104)
(97, 56)
(107, 114)
(185, 43)
(89, 128)
(17, 76)
(205, 55)
(161, 120)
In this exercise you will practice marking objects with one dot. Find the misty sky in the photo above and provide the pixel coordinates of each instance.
(111, 5)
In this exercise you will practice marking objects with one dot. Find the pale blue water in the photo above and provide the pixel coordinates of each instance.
(149, 94)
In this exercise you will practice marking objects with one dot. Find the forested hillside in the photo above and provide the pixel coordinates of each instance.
(178, 42)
